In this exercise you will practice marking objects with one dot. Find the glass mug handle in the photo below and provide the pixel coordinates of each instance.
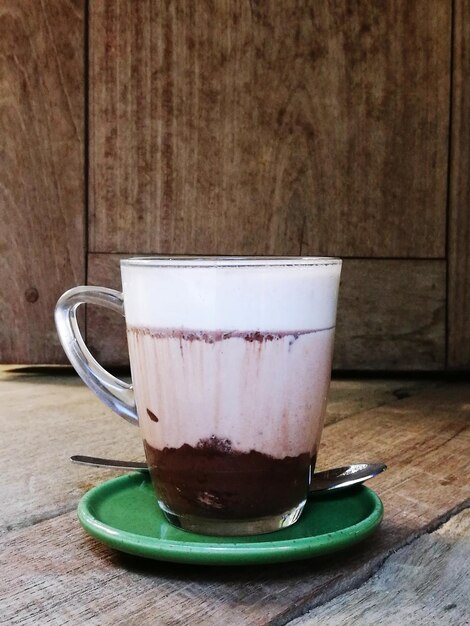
(115, 393)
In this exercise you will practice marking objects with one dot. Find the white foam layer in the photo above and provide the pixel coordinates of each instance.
(267, 396)
(234, 295)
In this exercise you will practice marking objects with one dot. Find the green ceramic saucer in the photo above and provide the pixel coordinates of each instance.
(123, 514)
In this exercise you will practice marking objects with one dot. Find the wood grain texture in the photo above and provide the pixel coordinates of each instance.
(391, 315)
(269, 128)
(350, 395)
(44, 419)
(420, 584)
(41, 175)
(459, 210)
(53, 573)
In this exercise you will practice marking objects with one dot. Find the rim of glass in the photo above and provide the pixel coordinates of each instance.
(176, 260)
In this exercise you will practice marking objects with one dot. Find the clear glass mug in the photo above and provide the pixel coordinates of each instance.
(231, 362)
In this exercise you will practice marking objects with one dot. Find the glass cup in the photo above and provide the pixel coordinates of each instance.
(231, 362)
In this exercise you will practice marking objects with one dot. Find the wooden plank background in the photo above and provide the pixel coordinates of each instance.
(42, 210)
(403, 319)
(391, 315)
(248, 128)
(459, 209)
(269, 128)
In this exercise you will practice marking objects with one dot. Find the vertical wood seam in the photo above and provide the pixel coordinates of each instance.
(449, 177)
(86, 145)
(458, 252)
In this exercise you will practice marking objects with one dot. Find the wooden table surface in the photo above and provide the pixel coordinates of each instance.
(414, 569)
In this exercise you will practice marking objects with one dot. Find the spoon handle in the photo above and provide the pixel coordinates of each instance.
(96, 461)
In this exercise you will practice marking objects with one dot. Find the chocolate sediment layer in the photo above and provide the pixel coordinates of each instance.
(213, 480)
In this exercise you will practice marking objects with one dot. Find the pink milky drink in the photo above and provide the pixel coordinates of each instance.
(231, 362)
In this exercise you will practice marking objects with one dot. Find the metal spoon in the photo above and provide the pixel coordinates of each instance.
(336, 478)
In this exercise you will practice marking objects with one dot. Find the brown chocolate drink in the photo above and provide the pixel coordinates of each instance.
(212, 480)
